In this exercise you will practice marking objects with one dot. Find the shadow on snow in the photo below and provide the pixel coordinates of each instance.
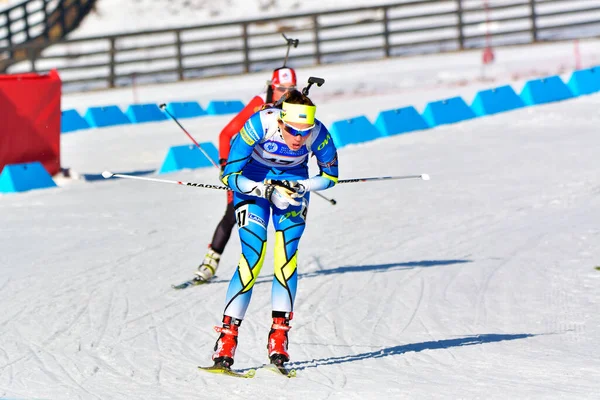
(360, 268)
(414, 347)
(382, 267)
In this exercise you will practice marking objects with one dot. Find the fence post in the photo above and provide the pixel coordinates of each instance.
(246, 50)
(31, 56)
(25, 19)
(9, 34)
(316, 34)
(46, 27)
(111, 65)
(61, 17)
(534, 33)
(461, 35)
(386, 31)
(179, 55)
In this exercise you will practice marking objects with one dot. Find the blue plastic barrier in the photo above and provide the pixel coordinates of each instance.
(140, 113)
(493, 101)
(545, 90)
(189, 156)
(219, 107)
(98, 117)
(70, 121)
(23, 177)
(447, 111)
(354, 130)
(400, 120)
(188, 109)
(585, 81)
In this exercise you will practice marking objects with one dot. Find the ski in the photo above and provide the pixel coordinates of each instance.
(191, 282)
(216, 369)
(280, 370)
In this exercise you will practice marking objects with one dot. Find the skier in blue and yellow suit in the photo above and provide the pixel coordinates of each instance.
(267, 170)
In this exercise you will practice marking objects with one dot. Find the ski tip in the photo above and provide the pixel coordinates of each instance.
(290, 373)
(228, 371)
(162, 106)
(107, 174)
(425, 177)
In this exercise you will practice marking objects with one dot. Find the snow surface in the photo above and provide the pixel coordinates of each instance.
(176, 13)
(114, 16)
(479, 283)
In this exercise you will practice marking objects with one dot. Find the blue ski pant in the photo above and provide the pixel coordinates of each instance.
(252, 216)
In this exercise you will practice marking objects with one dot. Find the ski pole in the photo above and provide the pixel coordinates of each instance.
(164, 108)
(108, 174)
(332, 201)
(424, 177)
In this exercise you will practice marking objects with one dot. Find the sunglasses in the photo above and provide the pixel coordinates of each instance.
(283, 89)
(295, 131)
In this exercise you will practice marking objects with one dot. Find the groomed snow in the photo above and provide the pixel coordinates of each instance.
(479, 283)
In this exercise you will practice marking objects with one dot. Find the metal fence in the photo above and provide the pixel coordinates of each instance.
(373, 32)
(28, 27)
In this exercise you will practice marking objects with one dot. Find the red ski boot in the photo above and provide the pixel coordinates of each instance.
(227, 342)
(278, 338)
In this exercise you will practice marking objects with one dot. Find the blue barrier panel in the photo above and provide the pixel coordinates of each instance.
(545, 90)
(400, 120)
(70, 121)
(218, 107)
(98, 117)
(585, 81)
(139, 113)
(189, 156)
(447, 111)
(354, 130)
(22, 177)
(492, 101)
(187, 109)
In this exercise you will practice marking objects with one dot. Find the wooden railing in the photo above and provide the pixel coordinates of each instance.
(327, 37)
(30, 26)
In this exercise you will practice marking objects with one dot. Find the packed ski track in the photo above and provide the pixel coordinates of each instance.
(477, 284)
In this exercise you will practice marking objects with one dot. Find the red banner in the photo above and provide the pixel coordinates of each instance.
(30, 119)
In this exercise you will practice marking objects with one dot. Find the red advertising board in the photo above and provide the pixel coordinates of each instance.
(30, 119)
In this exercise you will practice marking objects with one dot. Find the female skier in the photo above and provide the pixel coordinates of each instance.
(267, 170)
(283, 80)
